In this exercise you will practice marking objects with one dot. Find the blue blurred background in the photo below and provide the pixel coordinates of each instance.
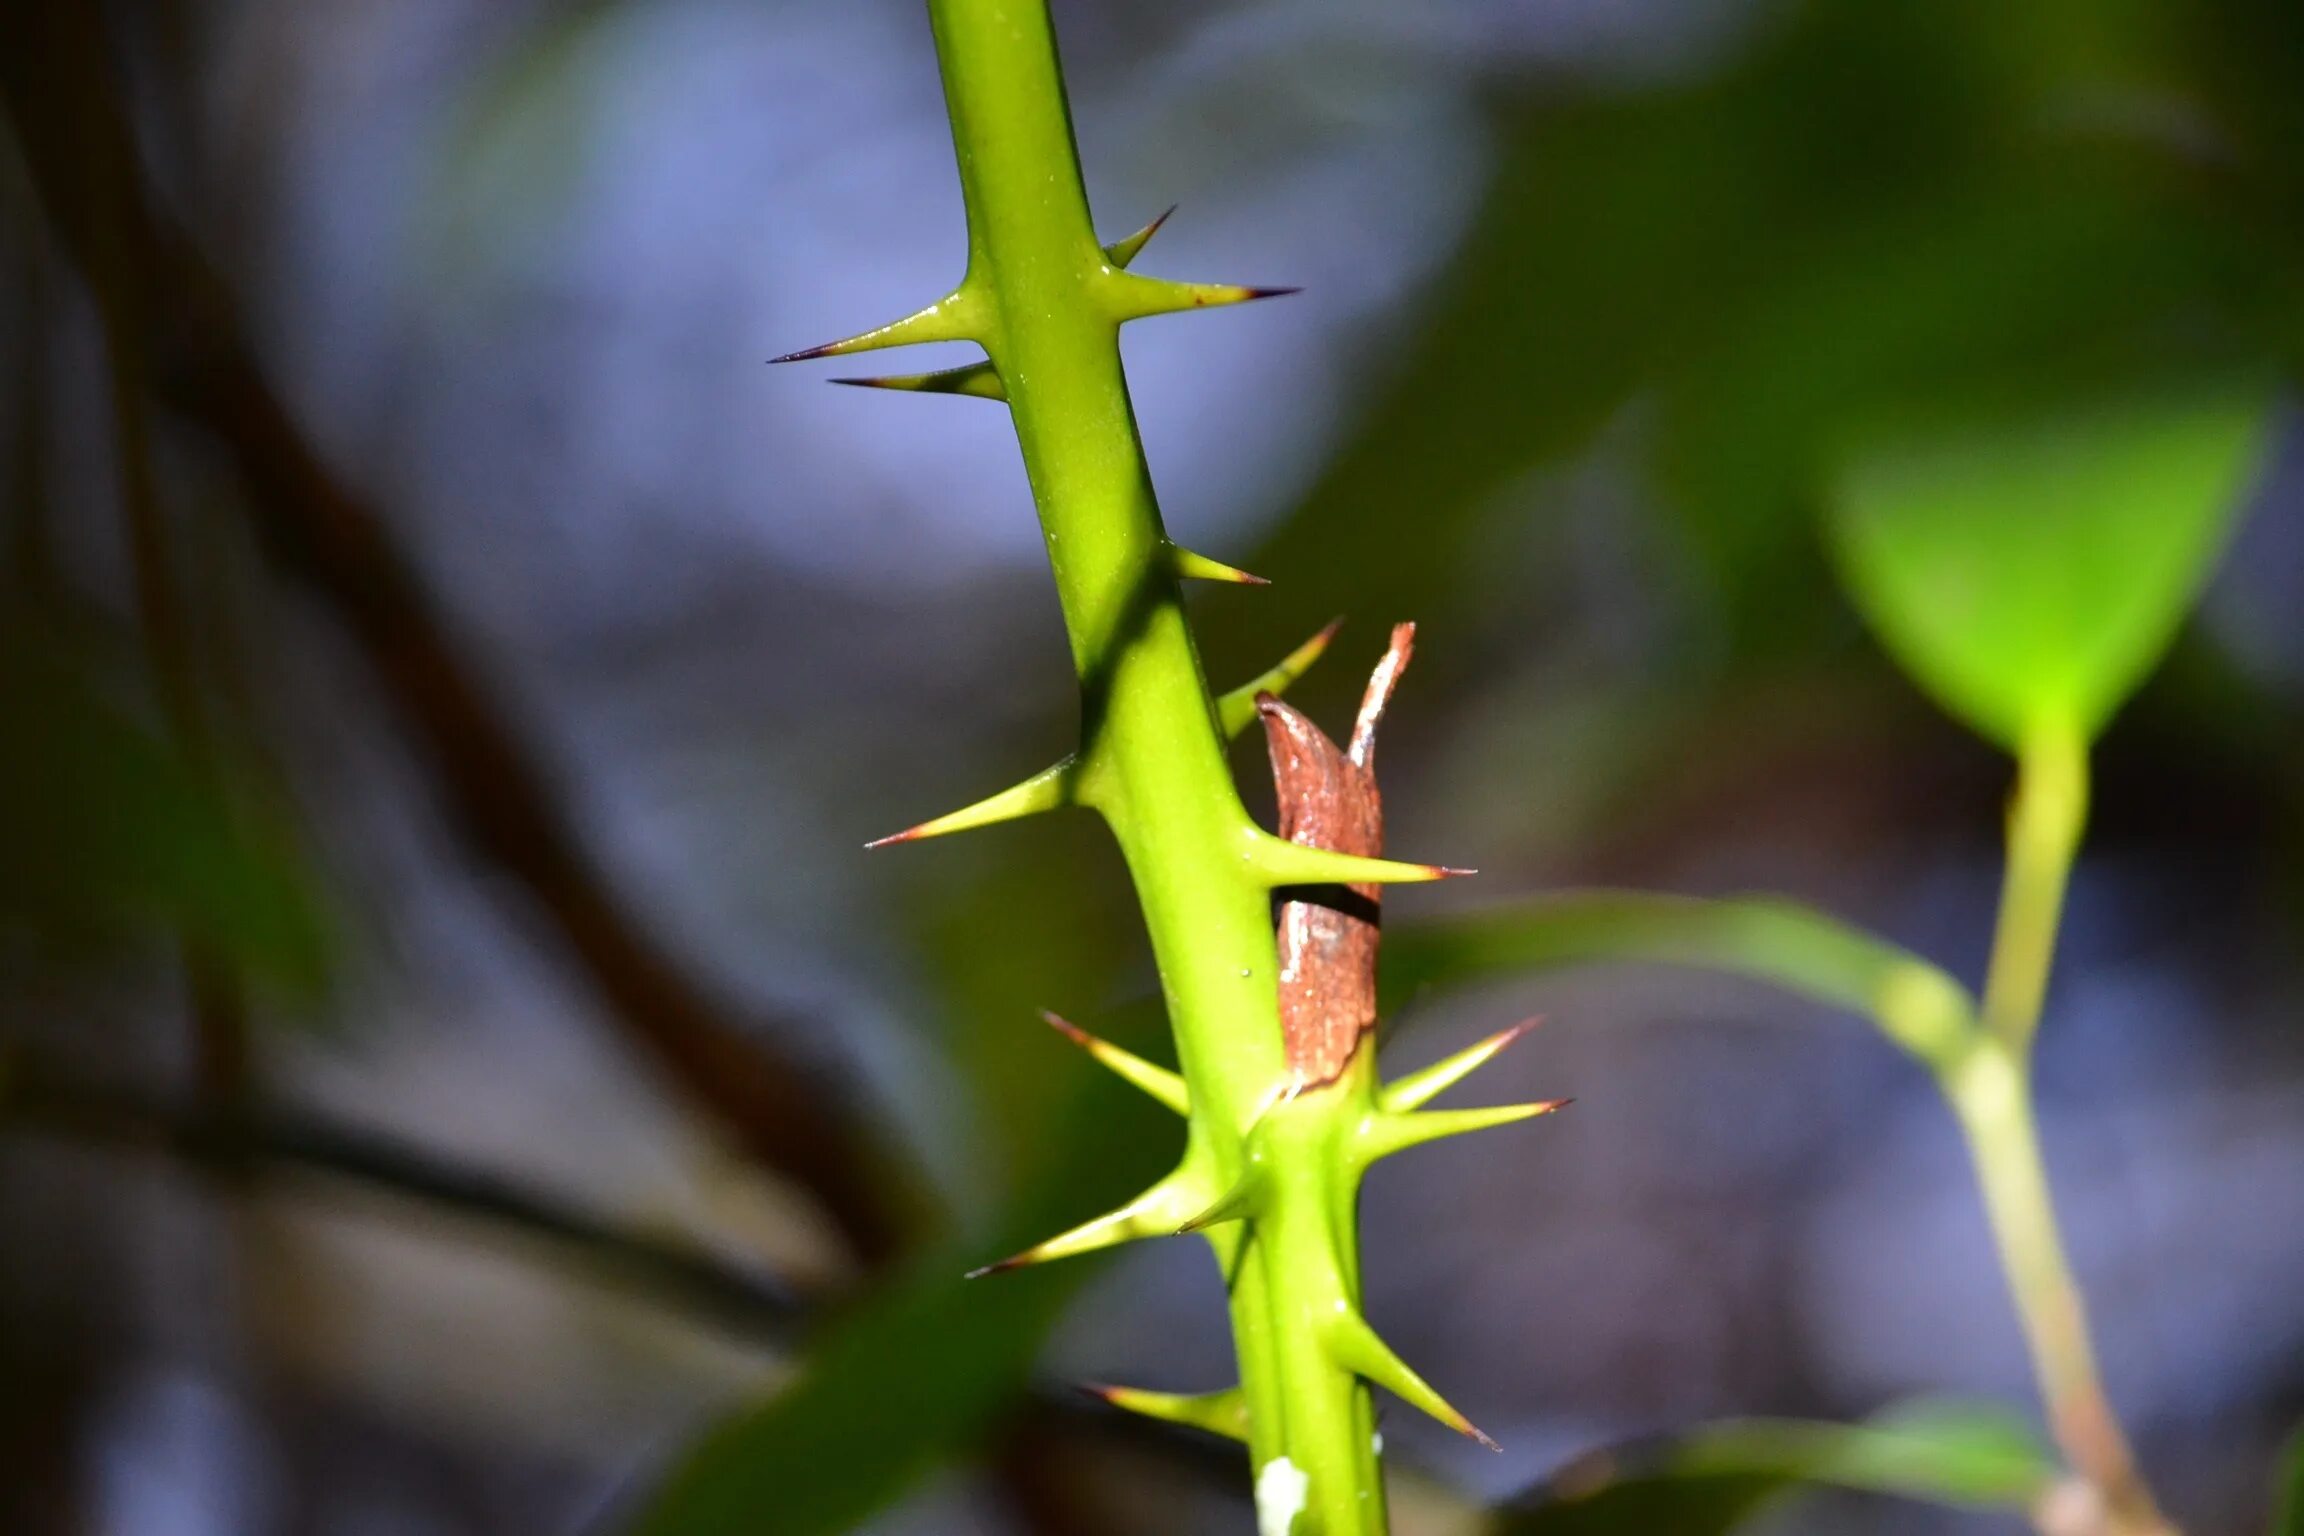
(452, 1049)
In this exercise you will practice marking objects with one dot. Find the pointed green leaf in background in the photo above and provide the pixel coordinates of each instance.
(2029, 571)
(1710, 1480)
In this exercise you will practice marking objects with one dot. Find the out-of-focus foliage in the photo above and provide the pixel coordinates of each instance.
(109, 833)
(2288, 1512)
(1711, 1480)
(919, 1372)
(1877, 209)
(2030, 571)
(1765, 938)
(1837, 224)
(912, 1376)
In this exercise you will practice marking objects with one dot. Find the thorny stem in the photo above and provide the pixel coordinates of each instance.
(1272, 1160)
(1153, 759)
(1990, 1088)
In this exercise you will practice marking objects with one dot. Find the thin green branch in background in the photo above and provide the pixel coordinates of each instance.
(1710, 1480)
(1991, 1093)
(1766, 938)
(2045, 818)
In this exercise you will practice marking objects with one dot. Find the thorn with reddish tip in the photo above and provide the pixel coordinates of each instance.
(1355, 1346)
(1418, 1089)
(1236, 710)
(1194, 566)
(1282, 863)
(1050, 788)
(1123, 251)
(1158, 1212)
(1137, 298)
(951, 318)
(1163, 1085)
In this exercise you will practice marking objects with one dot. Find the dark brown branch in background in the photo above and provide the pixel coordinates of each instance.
(68, 112)
(253, 1149)
(168, 630)
(253, 1145)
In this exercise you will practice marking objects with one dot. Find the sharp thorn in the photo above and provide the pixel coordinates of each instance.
(1157, 1212)
(950, 318)
(1386, 1134)
(980, 380)
(1235, 1204)
(1236, 710)
(1046, 790)
(1222, 1413)
(1194, 566)
(1357, 1347)
(1135, 298)
(1161, 1084)
(1123, 250)
(1419, 1088)
(1283, 863)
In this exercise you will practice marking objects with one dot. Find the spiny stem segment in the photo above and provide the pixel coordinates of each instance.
(982, 380)
(1327, 1120)
(1058, 784)
(1280, 1123)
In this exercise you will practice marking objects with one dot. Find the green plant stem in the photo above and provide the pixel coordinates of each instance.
(1990, 1088)
(1046, 303)
(1981, 1055)
(1991, 1094)
(2045, 818)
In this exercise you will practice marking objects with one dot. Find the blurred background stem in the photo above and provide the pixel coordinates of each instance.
(2045, 818)
(1990, 1088)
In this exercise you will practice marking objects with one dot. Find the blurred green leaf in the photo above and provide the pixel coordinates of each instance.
(2028, 572)
(899, 1386)
(1898, 206)
(2288, 1502)
(522, 137)
(1710, 1480)
(1765, 938)
(109, 836)
(923, 1371)
(916, 1375)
